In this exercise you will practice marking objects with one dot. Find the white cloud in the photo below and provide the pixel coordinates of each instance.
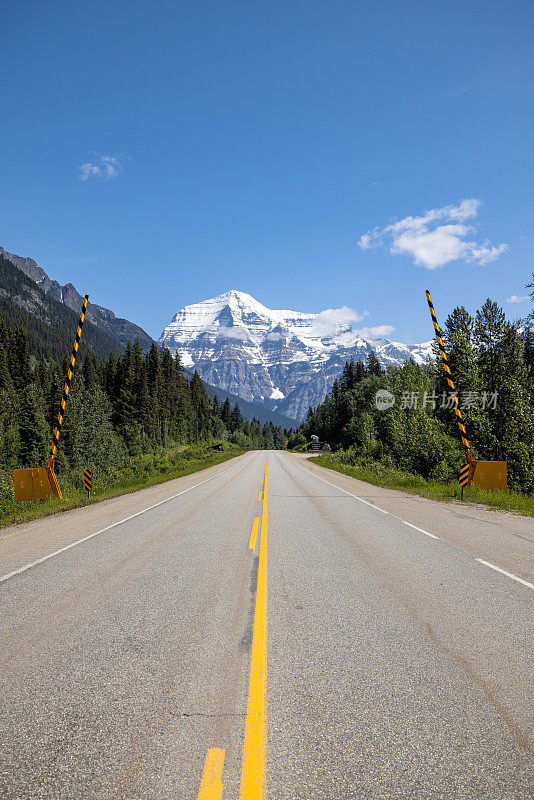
(368, 240)
(376, 332)
(329, 320)
(88, 170)
(486, 252)
(235, 332)
(436, 238)
(515, 298)
(102, 167)
(340, 316)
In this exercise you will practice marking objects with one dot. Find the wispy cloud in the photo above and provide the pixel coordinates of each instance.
(515, 298)
(102, 167)
(436, 238)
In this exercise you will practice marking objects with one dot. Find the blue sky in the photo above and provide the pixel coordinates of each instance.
(251, 145)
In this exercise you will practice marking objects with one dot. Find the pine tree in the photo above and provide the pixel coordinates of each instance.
(19, 359)
(360, 372)
(89, 436)
(373, 364)
(9, 428)
(457, 338)
(140, 383)
(226, 414)
(236, 420)
(6, 381)
(336, 390)
(528, 356)
(89, 371)
(201, 404)
(345, 380)
(125, 411)
(33, 429)
(497, 344)
(110, 376)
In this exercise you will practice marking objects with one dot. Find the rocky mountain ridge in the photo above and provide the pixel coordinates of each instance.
(121, 330)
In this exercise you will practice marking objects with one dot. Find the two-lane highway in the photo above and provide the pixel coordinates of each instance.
(267, 628)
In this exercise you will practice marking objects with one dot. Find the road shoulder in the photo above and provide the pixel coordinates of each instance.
(28, 542)
(500, 537)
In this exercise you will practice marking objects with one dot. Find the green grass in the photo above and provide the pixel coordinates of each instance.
(140, 472)
(389, 477)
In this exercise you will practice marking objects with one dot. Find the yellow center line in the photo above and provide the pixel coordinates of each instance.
(254, 534)
(253, 773)
(259, 496)
(211, 787)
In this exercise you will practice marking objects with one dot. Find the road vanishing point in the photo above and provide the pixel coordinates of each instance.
(267, 628)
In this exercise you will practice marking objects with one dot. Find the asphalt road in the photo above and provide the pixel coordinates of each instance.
(373, 645)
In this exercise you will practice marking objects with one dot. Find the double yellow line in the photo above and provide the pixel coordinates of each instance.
(253, 771)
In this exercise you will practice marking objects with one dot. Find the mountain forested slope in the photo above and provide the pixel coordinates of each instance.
(48, 325)
(118, 329)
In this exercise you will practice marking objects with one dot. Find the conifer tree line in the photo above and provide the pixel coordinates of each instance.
(117, 409)
(492, 363)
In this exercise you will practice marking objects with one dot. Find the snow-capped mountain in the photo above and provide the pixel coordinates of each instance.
(286, 360)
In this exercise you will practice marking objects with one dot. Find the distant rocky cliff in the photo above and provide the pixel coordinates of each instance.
(122, 330)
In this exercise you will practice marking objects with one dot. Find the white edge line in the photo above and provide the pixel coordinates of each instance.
(103, 530)
(432, 536)
(480, 560)
(367, 503)
(503, 572)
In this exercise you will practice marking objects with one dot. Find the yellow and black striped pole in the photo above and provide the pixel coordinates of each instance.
(68, 381)
(448, 375)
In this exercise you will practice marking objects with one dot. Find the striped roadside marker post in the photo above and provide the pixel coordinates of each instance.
(464, 469)
(463, 478)
(88, 481)
(68, 382)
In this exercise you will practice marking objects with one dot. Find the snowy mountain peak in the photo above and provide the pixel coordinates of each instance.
(278, 358)
(241, 307)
